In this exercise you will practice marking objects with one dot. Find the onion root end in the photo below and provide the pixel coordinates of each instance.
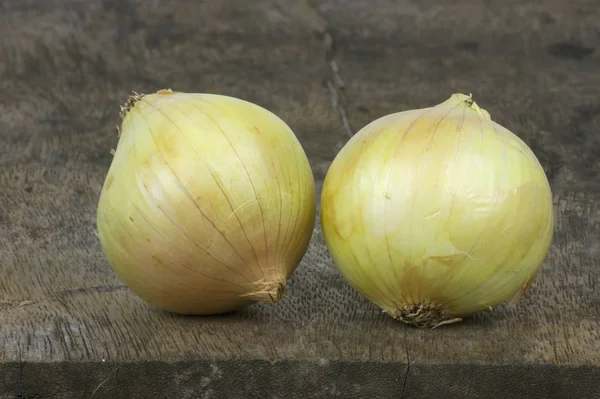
(270, 295)
(424, 316)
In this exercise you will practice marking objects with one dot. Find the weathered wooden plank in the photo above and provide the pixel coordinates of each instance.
(241, 379)
(320, 318)
(69, 326)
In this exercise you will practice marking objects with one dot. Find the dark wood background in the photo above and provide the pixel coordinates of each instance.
(70, 329)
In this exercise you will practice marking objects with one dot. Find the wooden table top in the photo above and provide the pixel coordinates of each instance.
(69, 328)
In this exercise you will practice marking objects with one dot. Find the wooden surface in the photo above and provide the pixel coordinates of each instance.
(70, 329)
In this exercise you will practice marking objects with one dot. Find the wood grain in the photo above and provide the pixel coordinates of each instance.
(69, 326)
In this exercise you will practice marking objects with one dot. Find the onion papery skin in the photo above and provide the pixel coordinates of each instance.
(208, 205)
(434, 214)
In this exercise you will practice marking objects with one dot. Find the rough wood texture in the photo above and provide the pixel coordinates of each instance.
(68, 327)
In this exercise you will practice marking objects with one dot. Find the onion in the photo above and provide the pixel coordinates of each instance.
(209, 203)
(437, 213)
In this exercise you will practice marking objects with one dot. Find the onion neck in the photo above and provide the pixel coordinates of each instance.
(132, 100)
(467, 102)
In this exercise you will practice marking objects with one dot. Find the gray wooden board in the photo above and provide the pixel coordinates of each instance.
(70, 329)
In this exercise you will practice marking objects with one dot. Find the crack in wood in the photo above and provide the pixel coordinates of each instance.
(20, 370)
(335, 83)
(407, 365)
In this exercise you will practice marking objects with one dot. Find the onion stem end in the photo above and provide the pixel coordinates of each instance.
(131, 101)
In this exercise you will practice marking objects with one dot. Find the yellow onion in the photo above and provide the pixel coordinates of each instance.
(437, 213)
(208, 205)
